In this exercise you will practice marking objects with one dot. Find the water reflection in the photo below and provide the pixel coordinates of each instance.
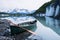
(46, 32)
(53, 24)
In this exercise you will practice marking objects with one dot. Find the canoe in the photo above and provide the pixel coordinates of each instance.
(18, 30)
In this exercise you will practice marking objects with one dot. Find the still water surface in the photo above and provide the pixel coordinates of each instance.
(46, 29)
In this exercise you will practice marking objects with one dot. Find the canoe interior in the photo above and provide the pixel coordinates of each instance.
(18, 30)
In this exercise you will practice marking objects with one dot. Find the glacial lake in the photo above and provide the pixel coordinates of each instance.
(47, 28)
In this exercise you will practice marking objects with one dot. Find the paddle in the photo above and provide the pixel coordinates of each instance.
(28, 30)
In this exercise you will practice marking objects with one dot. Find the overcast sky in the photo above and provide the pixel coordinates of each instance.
(22, 4)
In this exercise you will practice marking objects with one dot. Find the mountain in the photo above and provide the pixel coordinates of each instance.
(20, 11)
(42, 9)
(53, 10)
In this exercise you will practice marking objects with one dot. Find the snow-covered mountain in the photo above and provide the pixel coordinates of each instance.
(14, 11)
